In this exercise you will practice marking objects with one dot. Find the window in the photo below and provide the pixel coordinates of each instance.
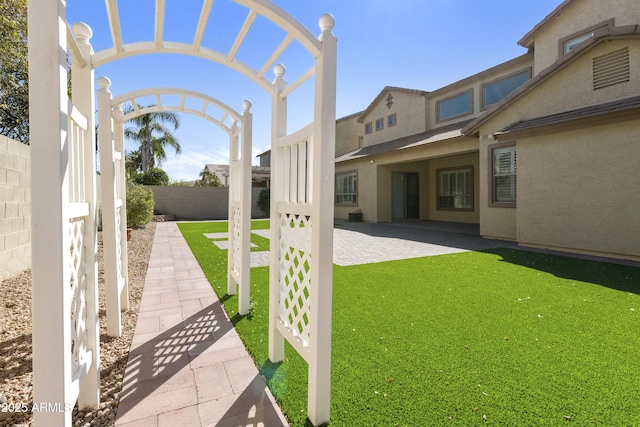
(347, 188)
(379, 124)
(455, 189)
(456, 106)
(492, 93)
(504, 175)
(567, 44)
(570, 44)
(391, 120)
(368, 127)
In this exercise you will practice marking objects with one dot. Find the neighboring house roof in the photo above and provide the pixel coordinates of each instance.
(433, 135)
(266, 153)
(349, 116)
(599, 36)
(527, 39)
(382, 94)
(586, 115)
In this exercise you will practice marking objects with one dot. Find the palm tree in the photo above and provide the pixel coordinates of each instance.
(152, 135)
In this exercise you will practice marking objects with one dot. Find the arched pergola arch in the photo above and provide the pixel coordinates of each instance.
(293, 29)
(184, 94)
(112, 172)
(65, 318)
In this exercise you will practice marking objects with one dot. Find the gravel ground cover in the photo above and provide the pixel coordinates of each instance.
(15, 339)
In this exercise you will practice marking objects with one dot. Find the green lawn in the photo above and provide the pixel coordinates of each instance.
(502, 337)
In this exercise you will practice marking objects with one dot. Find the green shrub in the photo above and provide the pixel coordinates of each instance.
(264, 200)
(153, 176)
(139, 206)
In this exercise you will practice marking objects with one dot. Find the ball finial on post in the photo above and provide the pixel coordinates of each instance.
(327, 22)
(279, 70)
(246, 104)
(104, 82)
(83, 32)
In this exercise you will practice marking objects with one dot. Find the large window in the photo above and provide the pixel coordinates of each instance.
(456, 106)
(347, 188)
(492, 93)
(504, 175)
(455, 188)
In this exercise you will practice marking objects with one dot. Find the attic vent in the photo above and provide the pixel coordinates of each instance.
(611, 69)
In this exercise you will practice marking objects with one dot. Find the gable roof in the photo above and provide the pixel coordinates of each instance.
(593, 114)
(599, 36)
(432, 135)
(527, 39)
(381, 95)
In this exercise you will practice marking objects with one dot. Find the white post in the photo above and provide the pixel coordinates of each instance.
(83, 99)
(107, 178)
(233, 157)
(244, 297)
(51, 293)
(278, 129)
(322, 231)
(121, 191)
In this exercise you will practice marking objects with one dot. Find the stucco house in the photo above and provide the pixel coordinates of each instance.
(543, 149)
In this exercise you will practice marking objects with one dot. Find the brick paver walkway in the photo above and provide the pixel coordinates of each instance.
(187, 365)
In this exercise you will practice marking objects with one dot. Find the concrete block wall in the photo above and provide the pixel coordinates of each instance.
(198, 203)
(15, 207)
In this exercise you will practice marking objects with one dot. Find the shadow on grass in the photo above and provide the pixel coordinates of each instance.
(624, 278)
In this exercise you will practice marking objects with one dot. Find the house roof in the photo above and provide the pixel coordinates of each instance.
(266, 153)
(592, 113)
(433, 135)
(381, 95)
(599, 36)
(527, 39)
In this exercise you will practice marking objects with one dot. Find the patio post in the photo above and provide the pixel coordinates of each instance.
(245, 209)
(51, 293)
(278, 129)
(121, 197)
(231, 196)
(323, 179)
(83, 90)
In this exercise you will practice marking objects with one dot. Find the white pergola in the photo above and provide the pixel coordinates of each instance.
(66, 347)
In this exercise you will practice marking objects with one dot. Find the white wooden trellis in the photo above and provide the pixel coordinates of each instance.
(239, 167)
(64, 232)
(49, 114)
(114, 208)
(239, 255)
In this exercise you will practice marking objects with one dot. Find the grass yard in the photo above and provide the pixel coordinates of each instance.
(503, 337)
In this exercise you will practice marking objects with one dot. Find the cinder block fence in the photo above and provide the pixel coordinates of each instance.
(15, 207)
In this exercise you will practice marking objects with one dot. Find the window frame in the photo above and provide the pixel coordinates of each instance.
(492, 202)
(353, 173)
(390, 122)
(462, 168)
(483, 106)
(562, 43)
(379, 124)
(439, 119)
(368, 128)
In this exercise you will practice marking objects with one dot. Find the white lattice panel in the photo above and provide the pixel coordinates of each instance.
(295, 274)
(236, 246)
(78, 285)
(120, 268)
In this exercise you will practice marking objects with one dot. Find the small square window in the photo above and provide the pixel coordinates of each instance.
(368, 127)
(391, 120)
(379, 124)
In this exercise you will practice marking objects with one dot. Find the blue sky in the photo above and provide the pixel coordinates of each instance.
(416, 44)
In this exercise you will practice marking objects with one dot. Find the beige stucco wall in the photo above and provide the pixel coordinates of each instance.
(580, 15)
(579, 190)
(410, 113)
(348, 132)
(434, 213)
(15, 207)
(366, 191)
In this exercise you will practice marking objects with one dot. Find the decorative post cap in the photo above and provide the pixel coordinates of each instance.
(246, 104)
(279, 70)
(83, 32)
(327, 22)
(118, 113)
(104, 82)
